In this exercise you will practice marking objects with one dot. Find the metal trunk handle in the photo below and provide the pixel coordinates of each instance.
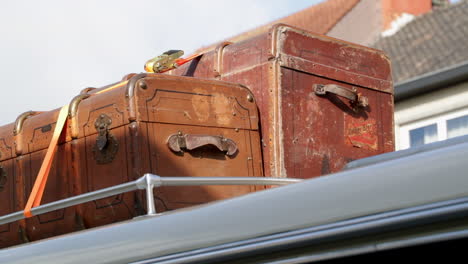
(20, 121)
(355, 98)
(72, 113)
(180, 142)
(218, 59)
(19, 128)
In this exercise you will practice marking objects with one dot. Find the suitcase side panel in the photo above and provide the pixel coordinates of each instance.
(196, 102)
(138, 160)
(203, 67)
(58, 187)
(7, 149)
(262, 80)
(244, 55)
(256, 151)
(138, 150)
(207, 109)
(203, 161)
(9, 233)
(230, 58)
(102, 149)
(21, 169)
(78, 169)
(325, 132)
(103, 174)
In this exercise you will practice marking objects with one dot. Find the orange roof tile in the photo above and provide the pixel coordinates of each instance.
(318, 18)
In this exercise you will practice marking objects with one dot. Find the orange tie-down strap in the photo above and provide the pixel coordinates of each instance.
(182, 61)
(41, 180)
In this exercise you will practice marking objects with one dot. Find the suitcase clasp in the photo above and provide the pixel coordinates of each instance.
(106, 146)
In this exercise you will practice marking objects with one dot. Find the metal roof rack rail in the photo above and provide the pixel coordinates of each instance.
(148, 182)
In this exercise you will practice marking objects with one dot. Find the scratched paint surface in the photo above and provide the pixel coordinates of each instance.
(361, 133)
(322, 133)
(201, 105)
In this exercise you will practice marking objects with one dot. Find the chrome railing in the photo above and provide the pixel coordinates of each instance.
(148, 182)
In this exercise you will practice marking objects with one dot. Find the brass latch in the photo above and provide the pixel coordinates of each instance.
(102, 126)
(106, 146)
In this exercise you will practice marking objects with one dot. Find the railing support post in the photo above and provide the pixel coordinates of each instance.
(149, 194)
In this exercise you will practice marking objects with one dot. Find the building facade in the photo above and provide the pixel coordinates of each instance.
(430, 70)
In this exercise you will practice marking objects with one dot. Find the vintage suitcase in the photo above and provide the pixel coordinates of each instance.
(323, 102)
(12, 233)
(117, 134)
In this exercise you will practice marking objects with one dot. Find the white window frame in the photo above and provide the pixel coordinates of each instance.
(439, 120)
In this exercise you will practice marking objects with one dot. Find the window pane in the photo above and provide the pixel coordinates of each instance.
(457, 127)
(423, 135)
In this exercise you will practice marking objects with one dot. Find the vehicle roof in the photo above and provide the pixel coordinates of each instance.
(421, 179)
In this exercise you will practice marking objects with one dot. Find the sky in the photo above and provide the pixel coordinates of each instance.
(51, 49)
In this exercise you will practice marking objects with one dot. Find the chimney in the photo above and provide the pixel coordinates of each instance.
(393, 9)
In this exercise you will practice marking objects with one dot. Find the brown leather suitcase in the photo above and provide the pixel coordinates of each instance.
(13, 233)
(299, 80)
(134, 127)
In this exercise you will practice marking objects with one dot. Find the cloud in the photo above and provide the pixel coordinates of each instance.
(50, 50)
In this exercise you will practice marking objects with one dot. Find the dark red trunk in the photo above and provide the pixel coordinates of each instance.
(305, 135)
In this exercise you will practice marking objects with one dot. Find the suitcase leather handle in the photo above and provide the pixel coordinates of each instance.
(354, 97)
(179, 142)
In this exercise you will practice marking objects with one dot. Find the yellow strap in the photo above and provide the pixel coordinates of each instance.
(41, 180)
(120, 84)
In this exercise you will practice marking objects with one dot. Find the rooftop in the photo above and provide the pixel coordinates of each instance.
(435, 40)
